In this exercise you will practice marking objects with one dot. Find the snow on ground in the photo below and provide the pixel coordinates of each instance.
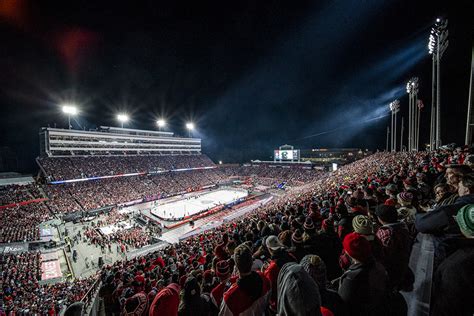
(190, 205)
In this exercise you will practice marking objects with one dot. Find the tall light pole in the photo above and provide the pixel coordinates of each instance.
(161, 123)
(412, 90)
(190, 128)
(470, 104)
(394, 108)
(438, 43)
(419, 106)
(122, 118)
(402, 129)
(69, 110)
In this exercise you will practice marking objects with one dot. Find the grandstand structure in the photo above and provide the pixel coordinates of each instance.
(112, 151)
(109, 141)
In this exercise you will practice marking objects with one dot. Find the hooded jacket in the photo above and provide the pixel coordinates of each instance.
(166, 302)
(298, 293)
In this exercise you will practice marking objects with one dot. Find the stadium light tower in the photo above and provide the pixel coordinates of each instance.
(123, 118)
(190, 127)
(412, 90)
(437, 45)
(394, 108)
(69, 110)
(161, 123)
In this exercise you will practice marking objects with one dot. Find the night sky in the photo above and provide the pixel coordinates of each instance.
(252, 75)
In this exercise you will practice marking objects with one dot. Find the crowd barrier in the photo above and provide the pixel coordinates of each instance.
(421, 263)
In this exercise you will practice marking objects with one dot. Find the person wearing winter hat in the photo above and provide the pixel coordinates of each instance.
(316, 268)
(406, 212)
(279, 256)
(298, 249)
(223, 272)
(308, 225)
(285, 238)
(250, 293)
(453, 280)
(192, 302)
(363, 226)
(363, 287)
(396, 247)
(391, 191)
(329, 248)
(298, 293)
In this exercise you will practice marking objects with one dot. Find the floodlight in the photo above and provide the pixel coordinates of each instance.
(70, 109)
(190, 126)
(122, 117)
(161, 123)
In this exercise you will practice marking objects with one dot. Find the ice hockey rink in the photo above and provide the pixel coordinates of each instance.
(190, 205)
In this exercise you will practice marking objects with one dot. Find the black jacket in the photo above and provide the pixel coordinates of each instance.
(364, 288)
(453, 288)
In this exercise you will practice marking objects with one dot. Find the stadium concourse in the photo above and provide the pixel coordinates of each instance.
(391, 233)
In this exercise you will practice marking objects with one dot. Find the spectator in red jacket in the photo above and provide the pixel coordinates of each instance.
(396, 247)
(250, 293)
(166, 302)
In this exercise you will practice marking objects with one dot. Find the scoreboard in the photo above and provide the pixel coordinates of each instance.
(287, 155)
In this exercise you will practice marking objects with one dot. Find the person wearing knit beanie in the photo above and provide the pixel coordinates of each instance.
(405, 198)
(328, 225)
(223, 272)
(316, 268)
(297, 238)
(357, 247)
(364, 286)
(465, 220)
(308, 225)
(298, 245)
(285, 238)
(406, 212)
(363, 226)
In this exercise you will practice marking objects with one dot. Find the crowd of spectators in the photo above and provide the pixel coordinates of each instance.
(273, 175)
(20, 223)
(22, 293)
(337, 246)
(340, 247)
(14, 193)
(64, 168)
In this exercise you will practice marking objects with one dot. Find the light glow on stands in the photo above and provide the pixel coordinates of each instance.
(96, 178)
(129, 175)
(197, 168)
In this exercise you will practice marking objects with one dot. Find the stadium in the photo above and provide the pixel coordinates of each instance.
(293, 194)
